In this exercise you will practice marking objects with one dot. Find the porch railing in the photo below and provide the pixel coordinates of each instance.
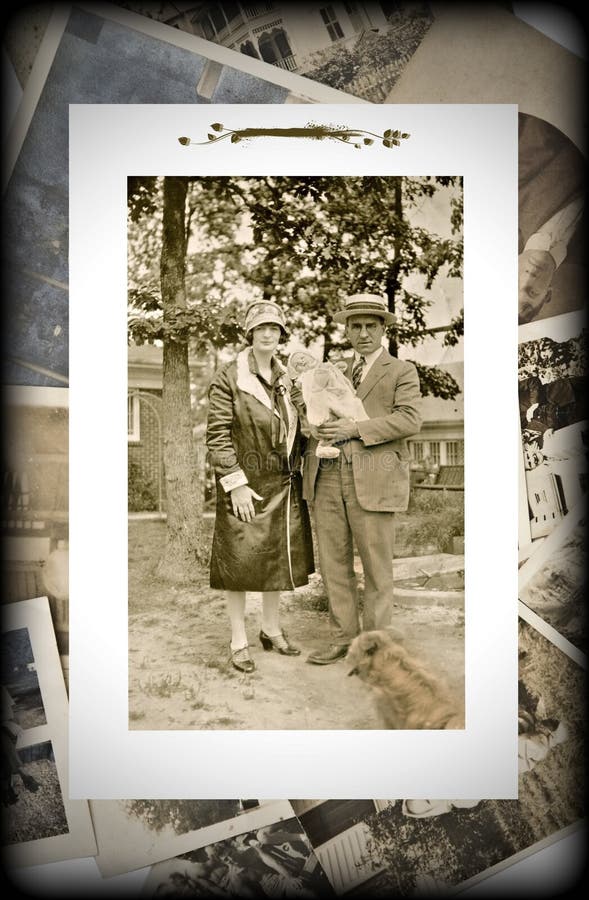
(287, 62)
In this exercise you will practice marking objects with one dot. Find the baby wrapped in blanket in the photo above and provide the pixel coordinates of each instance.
(327, 394)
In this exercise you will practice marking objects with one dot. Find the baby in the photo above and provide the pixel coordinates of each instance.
(327, 394)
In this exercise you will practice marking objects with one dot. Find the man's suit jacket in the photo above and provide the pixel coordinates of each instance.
(380, 460)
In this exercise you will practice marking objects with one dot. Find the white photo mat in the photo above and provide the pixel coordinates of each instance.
(34, 615)
(107, 144)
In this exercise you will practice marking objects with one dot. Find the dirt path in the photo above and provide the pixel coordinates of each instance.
(180, 676)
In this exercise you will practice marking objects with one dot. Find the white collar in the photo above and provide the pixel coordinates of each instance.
(369, 357)
(248, 382)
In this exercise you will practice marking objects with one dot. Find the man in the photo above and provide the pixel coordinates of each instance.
(549, 406)
(356, 495)
(551, 235)
(543, 253)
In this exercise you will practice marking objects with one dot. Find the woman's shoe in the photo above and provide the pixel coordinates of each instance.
(278, 642)
(242, 661)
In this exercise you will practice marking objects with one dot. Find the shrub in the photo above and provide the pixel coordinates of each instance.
(141, 491)
(435, 518)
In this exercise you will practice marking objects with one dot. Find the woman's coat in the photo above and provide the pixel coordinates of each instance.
(245, 432)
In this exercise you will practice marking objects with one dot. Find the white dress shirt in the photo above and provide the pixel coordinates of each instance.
(370, 360)
(556, 233)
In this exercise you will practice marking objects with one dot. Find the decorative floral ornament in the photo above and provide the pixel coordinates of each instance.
(354, 137)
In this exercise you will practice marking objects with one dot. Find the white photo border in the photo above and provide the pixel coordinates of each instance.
(107, 144)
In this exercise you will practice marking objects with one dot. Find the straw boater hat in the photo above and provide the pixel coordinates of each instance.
(365, 305)
(261, 312)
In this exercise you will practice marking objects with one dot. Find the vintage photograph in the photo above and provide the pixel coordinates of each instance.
(275, 861)
(359, 48)
(552, 391)
(22, 709)
(35, 501)
(132, 834)
(32, 818)
(383, 848)
(306, 300)
(553, 582)
(40, 823)
(552, 191)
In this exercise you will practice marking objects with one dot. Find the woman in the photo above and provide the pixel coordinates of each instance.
(262, 540)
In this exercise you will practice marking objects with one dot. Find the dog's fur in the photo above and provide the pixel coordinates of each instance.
(406, 695)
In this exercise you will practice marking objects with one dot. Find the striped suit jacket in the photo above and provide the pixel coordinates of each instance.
(380, 459)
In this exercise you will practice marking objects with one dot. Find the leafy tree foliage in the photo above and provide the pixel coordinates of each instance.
(304, 241)
(199, 249)
(550, 359)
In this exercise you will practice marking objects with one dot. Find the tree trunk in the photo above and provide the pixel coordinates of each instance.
(327, 340)
(184, 549)
(393, 283)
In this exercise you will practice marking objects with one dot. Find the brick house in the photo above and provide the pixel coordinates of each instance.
(146, 482)
(144, 429)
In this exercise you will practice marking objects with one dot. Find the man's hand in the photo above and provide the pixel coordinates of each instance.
(338, 430)
(242, 500)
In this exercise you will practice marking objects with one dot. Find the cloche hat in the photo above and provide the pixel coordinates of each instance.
(261, 312)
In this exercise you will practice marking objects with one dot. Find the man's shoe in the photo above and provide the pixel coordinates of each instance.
(331, 655)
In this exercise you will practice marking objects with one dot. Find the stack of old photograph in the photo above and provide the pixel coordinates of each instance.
(296, 527)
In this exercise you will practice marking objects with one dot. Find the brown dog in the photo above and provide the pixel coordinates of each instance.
(407, 696)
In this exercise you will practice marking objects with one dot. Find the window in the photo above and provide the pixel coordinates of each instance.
(455, 453)
(283, 45)
(434, 451)
(218, 18)
(334, 28)
(417, 450)
(133, 417)
(249, 49)
(231, 11)
(207, 29)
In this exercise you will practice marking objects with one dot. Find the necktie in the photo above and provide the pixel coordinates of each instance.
(357, 372)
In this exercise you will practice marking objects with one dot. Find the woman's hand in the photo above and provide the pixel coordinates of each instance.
(242, 500)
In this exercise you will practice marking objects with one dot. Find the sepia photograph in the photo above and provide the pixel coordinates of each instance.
(294, 372)
(289, 281)
(35, 502)
(132, 834)
(552, 266)
(275, 861)
(359, 48)
(40, 823)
